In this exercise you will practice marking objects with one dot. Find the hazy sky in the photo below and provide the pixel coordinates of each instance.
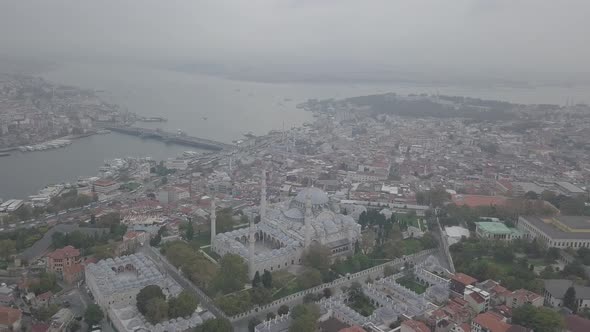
(528, 35)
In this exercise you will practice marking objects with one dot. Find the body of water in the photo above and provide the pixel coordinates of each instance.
(203, 106)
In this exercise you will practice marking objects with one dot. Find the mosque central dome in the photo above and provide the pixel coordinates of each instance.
(316, 195)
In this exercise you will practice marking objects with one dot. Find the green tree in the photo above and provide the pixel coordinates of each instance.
(283, 310)
(7, 248)
(183, 305)
(428, 241)
(147, 293)
(190, 231)
(252, 323)
(232, 274)
(539, 319)
(155, 241)
(317, 257)
(156, 310)
(93, 314)
(74, 326)
(388, 270)
(215, 325)
(310, 278)
(256, 281)
(267, 279)
(305, 318)
(261, 295)
(569, 299)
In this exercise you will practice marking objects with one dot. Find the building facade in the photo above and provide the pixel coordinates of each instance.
(116, 282)
(61, 259)
(558, 231)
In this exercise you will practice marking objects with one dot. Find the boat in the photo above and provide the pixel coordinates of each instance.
(249, 134)
(153, 119)
(4, 154)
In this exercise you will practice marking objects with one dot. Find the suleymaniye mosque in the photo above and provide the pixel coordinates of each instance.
(286, 229)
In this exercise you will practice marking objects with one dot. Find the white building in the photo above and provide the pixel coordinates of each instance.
(116, 282)
(105, 186)
(554, 290)
(172, 194)
(559, 231)
(179, 164)
(286, 229)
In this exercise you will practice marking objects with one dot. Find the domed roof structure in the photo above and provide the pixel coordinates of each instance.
(317, 196)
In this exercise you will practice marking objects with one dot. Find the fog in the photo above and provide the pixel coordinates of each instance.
(512, 39)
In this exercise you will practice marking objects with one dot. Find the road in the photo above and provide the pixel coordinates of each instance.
(37, 250)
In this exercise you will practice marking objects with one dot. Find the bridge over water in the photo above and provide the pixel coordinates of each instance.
(167, 137)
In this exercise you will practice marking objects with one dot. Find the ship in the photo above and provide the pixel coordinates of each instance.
(153, 119)
(4, 154)
(249, 134)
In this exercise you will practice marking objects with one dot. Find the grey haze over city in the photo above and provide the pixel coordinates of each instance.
(295, 165)
(271, 40)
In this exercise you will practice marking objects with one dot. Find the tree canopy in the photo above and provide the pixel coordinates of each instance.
(183, 305)
(93, 314)
(146, 294)
(216, 324)
(539, 319)
(305, 318)
(232, 274)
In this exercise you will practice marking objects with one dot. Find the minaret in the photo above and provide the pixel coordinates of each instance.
(252, 241)
(307, 221)
(263, 197)
(213, 218)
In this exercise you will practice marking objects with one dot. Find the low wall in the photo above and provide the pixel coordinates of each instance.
(373, 273)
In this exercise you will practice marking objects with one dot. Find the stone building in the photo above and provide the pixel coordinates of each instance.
(286, 229)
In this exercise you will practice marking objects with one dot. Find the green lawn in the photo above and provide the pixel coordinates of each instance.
(412, 246)
(200, 240)
(412, 284)
(284, 286)
(362, 305)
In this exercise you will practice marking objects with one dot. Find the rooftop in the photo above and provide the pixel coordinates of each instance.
(464, 279)
(562, 227)
(478, 200)
(65, 252)
(558, 287)
(9, 316)
(128, 272)
(417, 326)
(576, 323)
(493, 227)
(491, 322)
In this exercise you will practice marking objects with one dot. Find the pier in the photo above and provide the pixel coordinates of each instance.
(167, 137)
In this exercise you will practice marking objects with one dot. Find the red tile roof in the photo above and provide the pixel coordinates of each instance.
(9, 316)
(525, 295)
(417, 326)
(353, 329)
(478, 200)
(465, 327)
(104, 183)
(65, 252)
(40, 327)
(464, 279)
(45, 296)
(492, 322)
(477, 298)
(577, 324)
